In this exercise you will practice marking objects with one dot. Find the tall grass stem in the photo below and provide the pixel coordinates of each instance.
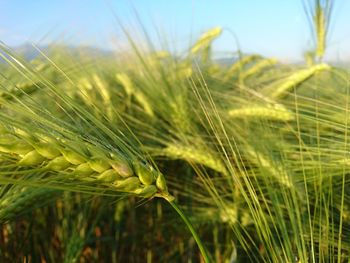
(201, 246)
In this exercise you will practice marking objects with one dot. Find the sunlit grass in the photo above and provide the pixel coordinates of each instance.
(255, 154)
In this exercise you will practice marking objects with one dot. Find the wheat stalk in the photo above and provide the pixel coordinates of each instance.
(74, 248)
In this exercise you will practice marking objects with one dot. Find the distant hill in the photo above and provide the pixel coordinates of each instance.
(29, 52)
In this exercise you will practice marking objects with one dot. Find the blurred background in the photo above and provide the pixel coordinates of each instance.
(272, 28)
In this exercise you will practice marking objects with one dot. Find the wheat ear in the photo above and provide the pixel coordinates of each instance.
(270, 112)
(297, 79)
(85, 161)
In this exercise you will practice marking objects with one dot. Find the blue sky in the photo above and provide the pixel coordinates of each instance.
(270, 27)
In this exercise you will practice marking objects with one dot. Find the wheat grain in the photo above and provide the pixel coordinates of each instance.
(121, 166)
(31, 158)
(47, 150)
(109, 176)
(145, 176)
(83, 169)
(147, 191)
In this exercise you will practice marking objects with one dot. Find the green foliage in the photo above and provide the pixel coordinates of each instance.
(254, 153)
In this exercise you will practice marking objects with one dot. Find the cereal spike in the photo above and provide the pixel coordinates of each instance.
(272, 112)
(298, 78)
(206, 38)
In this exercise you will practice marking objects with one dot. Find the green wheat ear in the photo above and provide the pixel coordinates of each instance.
(86, 162)
(203, 46)
(269, 112)
(320, 25)
(205, 40)
(193, 154)
(297, 78)
(319, 13)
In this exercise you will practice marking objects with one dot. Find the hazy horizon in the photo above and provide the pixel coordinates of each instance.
(271, 28)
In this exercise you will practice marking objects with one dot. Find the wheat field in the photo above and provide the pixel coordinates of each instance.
(147, 156)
